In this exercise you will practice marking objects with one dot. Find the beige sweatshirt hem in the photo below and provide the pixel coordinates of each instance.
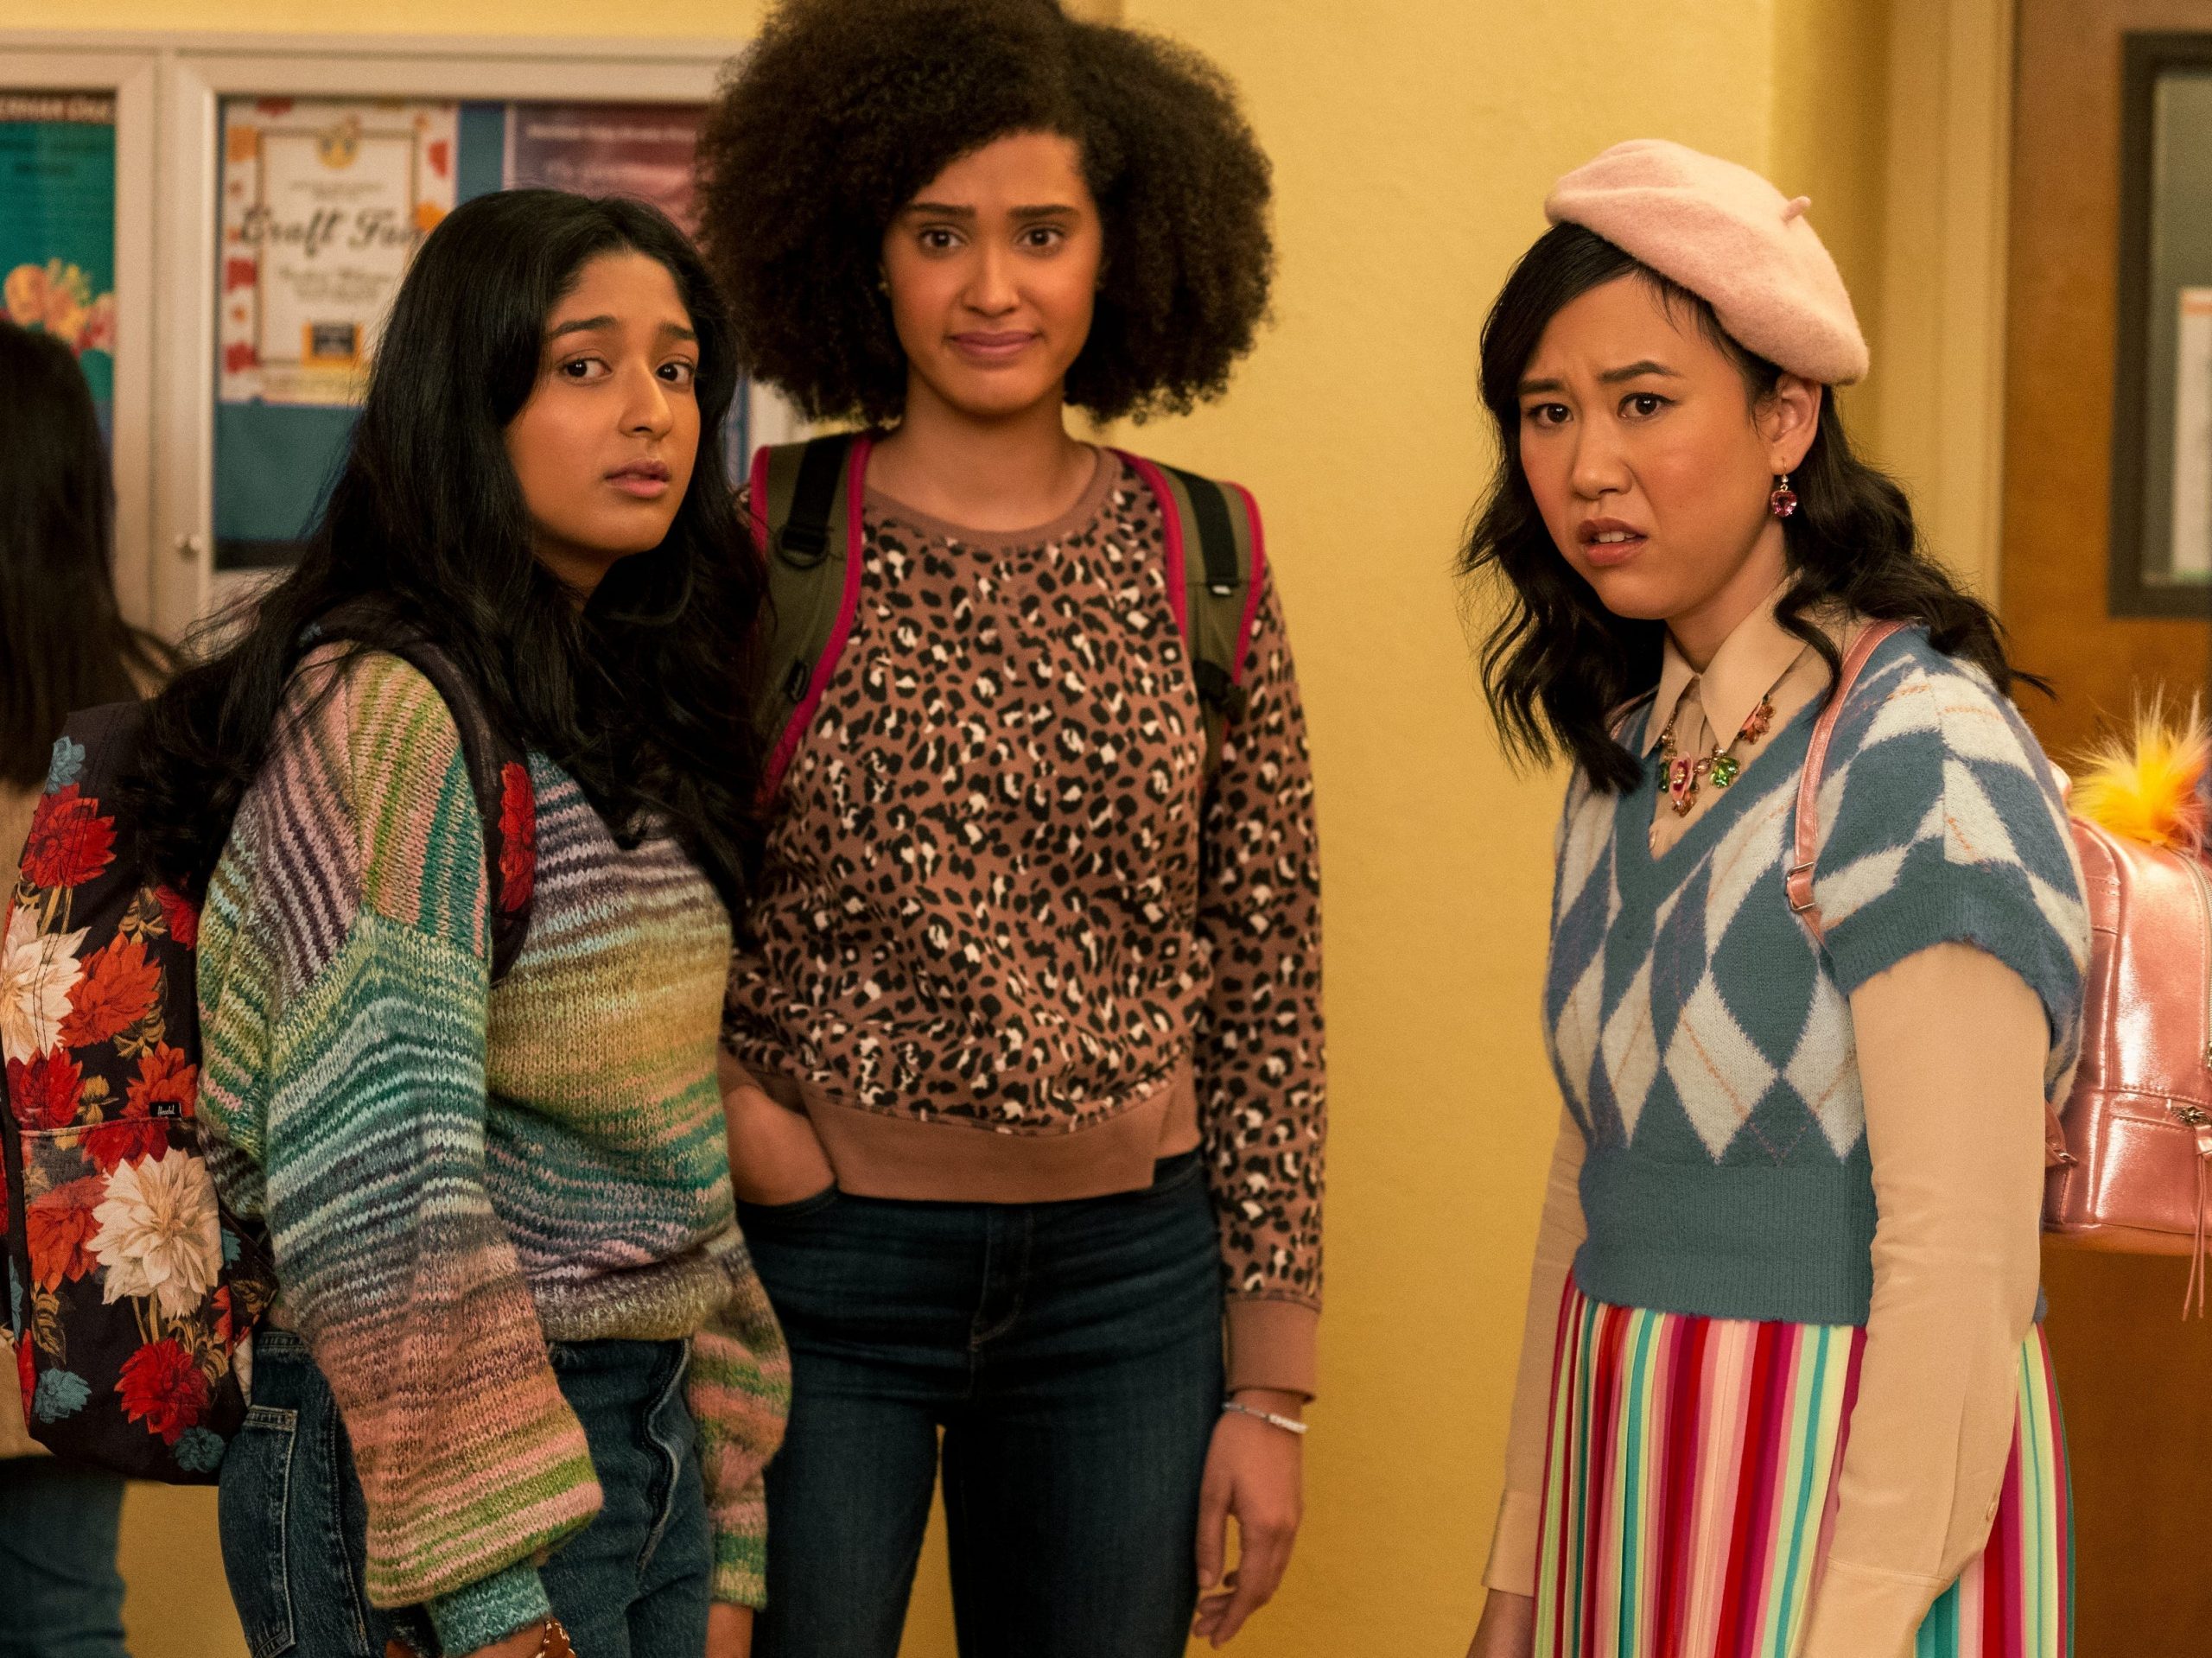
(876, 1155)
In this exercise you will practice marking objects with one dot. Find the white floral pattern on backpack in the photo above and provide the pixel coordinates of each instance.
(124, 1246)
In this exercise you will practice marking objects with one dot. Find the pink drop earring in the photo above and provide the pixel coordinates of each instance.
(1783, 501)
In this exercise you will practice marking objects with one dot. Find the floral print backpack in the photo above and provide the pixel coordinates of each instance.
(132, 1288)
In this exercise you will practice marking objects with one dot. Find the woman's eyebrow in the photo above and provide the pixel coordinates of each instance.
(593, 323)
(1527, 387)
(1637, 370)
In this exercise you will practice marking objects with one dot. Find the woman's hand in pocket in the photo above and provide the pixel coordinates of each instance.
(775, 1156)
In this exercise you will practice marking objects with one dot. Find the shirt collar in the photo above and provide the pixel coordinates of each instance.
(1744, 670)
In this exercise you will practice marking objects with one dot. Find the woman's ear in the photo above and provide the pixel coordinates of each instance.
(1788, 418)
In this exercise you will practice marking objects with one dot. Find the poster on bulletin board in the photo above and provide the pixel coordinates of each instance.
(57, 225)
(324, 203)
(643, 150)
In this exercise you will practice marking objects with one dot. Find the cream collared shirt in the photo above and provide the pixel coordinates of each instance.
(1951, 1047)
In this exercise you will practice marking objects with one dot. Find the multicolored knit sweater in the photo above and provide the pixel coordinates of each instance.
(454, 1174)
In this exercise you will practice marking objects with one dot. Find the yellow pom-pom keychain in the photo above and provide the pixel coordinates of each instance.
(2149, 788)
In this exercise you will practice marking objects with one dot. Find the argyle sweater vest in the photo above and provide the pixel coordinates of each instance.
(1703, 1040)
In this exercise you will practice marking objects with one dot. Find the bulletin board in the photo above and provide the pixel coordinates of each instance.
(323, 202)
(218, 223)
(57, 226)
(2162, 378)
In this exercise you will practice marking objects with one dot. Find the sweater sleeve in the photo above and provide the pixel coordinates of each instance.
(740, 1390)
(1512, 1568)
(370, 921)
(1946, 826)
(1954, 1129)
(1261, 1087)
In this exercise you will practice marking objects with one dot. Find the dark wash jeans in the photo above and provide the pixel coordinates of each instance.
(633, 1584)
(61, 1595)
(1070, 1353)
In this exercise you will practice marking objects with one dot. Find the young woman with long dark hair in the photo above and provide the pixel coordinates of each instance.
(64, 645)
(1027, 1017)
(1782, 1389)
(519, 1374)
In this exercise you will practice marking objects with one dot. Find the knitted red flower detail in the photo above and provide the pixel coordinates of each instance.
(70, 842)
(518, 837)
(162, 1387)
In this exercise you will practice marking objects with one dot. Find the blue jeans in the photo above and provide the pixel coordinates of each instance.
(633, 1584)
(61, 1595)
(1069, 1353)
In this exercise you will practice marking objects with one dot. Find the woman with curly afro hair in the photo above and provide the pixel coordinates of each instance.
(1025, 1086)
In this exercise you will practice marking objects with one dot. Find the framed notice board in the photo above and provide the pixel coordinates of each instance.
(264, 196)
(2162, 380)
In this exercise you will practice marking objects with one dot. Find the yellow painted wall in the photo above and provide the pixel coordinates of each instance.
(1412, 145)
(1413, 142)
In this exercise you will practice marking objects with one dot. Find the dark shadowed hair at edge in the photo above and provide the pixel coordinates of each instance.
(844, 108)
(63, 642)
(634, 695)
(1556, 664)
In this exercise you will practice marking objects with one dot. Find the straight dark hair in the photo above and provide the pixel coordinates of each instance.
(1556, 664)
(64, 644)
(425, 531)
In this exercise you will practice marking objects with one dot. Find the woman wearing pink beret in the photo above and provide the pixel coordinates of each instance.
(1782, 1388)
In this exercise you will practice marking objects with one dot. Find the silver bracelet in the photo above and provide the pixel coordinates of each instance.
(1288, 1424)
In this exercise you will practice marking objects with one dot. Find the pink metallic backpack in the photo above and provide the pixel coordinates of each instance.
(2130, 1148)
(2137, 1175)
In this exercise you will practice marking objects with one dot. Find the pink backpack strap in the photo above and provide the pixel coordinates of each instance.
(1216, 560)
(1806, 848)
(804, 501)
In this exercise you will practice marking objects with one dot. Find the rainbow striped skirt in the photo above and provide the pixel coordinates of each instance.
(1690, 1482)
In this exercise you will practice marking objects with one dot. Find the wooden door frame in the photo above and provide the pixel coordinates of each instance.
(1938, 386)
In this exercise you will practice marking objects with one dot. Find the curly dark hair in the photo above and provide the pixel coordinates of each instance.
(1556, 663)
(844, 108)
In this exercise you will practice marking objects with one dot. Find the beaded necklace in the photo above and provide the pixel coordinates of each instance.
(1685, 776)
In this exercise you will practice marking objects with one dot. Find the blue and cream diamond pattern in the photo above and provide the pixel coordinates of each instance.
(1684, 995)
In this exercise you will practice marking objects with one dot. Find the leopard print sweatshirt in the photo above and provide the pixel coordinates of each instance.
(1011, 943)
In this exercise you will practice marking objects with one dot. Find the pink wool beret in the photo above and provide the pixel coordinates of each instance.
(1732, 240)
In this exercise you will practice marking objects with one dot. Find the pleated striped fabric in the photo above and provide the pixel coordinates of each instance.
(1689, 1489)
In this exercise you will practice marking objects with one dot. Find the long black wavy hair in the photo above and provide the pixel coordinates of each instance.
(844, 108)
(425, 530)
(63, 642)
(1555, 663)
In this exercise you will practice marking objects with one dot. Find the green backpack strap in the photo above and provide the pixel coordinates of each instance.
(805, 505)
(1216, 594)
